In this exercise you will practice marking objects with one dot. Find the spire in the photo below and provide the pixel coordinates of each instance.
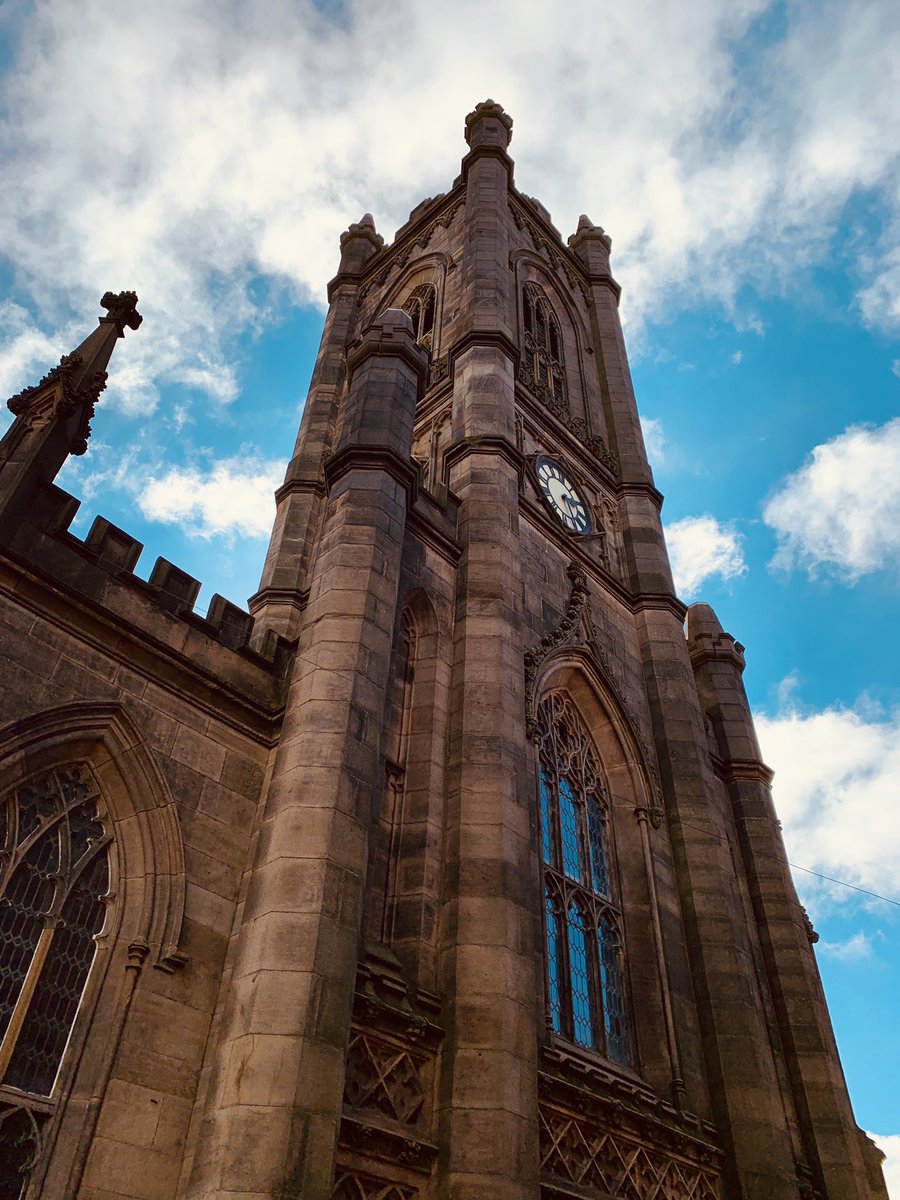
(53, 416)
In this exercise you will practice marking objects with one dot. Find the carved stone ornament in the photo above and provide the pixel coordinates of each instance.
(121, 307)
(613, 1161)
(57, 398)
(576, 425)
(544, 246)
(384, 1078)
(355, 1185)
(562, 635)
(439, 370)
(419, 243)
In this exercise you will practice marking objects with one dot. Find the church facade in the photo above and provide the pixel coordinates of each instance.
(450, 870)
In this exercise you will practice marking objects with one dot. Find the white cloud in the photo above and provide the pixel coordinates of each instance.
(895, 367)
(654, 439)
(233, 496)
(26, 352)
(889, 1144)
(836, 793)
(737, 358)
(245, 137)
(840, 512)
(854, 949)
(700, 548)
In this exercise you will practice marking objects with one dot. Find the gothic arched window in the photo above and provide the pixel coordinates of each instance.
(542, 361)
(54, 876)
(585, 984)
(421, 307)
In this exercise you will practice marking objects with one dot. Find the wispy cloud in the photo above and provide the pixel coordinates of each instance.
(889, 1144)
(840, 512)
(654, 439)
(835, 789)
(856, 948)
(234, 496)
(701, 548)
(243, 138)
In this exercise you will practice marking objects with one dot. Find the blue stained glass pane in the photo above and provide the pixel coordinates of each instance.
(568, 820)
(582, 1025)
(597, 839)
(611, 987)
(546, 836)
(554, 966)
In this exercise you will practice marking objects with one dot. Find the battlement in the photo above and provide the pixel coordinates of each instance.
(101, 571)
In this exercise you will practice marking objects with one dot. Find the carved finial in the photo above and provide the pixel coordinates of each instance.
(121, 308)
(363, 228)
(496, 125)
(587, 228)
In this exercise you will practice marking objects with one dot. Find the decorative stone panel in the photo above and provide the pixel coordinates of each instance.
(352, 1185)
(596, 1159)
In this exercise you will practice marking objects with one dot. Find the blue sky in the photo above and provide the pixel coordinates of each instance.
(744, 156)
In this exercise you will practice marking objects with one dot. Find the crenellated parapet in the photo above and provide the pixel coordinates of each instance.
(95, 578)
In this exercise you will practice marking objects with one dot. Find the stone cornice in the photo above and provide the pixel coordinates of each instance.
(488, 444)
(746, 770)
(292, 486)
(638, 487)
(403, 348)
(487, 152)
(606, 281)
(296, 598)
(374, 458)
(427, 532)
(663, 601)
(723, 649)
(485, 337)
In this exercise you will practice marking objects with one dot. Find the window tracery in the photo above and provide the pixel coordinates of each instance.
(421, 306)
(584, 944)
(541, 367)
(54, 879)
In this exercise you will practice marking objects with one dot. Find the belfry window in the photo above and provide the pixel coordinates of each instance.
(585, 987)
(542, 361)
(421, 307)
(54, 876)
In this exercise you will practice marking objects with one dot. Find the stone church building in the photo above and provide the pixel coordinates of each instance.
(449, 871)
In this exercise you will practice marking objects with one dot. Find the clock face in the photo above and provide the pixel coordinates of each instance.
(562, 496)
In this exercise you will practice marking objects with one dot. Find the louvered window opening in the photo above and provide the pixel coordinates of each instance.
(542, 362)
(421, 308)
(583, 920)
(54, 877)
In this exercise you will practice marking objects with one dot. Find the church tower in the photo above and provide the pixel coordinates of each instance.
(506, 913)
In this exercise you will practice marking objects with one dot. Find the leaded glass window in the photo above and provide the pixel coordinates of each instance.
(541, 367)
(421, 307)
(585, 976)
(54, 876)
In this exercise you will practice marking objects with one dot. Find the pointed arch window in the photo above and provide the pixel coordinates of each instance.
(583, 920)
(421, 306)
(542, 362)
(54, 879)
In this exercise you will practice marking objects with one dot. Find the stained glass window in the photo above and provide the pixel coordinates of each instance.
(542, 363)
(585, 977)
(54, 875)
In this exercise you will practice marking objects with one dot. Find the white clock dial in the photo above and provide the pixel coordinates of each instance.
(563, 496)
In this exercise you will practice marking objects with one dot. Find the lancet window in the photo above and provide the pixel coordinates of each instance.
(421, 307)
(542, 360)
(584, 944)
(54, 876)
